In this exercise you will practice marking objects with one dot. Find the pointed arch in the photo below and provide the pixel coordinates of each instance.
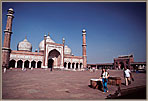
(56, 57)
(12, 63)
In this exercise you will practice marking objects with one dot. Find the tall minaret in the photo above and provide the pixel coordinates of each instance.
(63, 50)
(45, 37)
(7, 38)
(84, 49)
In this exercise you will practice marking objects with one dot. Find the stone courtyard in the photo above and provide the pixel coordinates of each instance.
(65, 85)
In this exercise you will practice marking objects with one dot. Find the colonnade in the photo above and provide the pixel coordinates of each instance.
(24, 64)
(68, 65)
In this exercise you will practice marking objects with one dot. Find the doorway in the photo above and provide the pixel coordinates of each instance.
(122, 65)
(50, 63)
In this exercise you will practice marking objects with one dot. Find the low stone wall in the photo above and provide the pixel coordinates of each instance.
(114, 80)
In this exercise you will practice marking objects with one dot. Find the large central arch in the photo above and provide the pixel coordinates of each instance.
(56, 57)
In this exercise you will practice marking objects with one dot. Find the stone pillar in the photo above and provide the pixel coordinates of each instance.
(78, 66)
(23, 65)
(75, 66)
(35, 64)
(42, 65)
(7, 38)
(29, 64)
(66, 65)
(70, 65)
(16, 64)
(44, 50)
(84, 49)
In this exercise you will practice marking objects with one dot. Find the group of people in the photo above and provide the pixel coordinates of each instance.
(25, 69)
(105, 74)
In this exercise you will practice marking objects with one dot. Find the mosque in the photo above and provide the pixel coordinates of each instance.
(55, 55)
(50, 54)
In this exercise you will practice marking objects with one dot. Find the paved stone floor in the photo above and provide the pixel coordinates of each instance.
(43, 84)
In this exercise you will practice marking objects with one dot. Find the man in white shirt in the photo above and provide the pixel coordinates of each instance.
(127, 76)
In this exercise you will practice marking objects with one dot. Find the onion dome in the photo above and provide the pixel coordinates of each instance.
(24, 45)
(41, 45)
(67, 50)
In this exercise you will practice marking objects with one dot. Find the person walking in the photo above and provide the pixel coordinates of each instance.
(104, 77)
(5, 69)
(128, 76)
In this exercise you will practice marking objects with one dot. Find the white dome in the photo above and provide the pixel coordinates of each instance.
(41, 45)
(67, 50)
(24, 45)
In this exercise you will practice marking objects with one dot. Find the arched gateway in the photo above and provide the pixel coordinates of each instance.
(54, 59)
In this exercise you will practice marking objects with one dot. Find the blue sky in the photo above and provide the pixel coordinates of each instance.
(113, 28)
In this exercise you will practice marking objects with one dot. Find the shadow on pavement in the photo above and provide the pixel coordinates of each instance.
(130, 93)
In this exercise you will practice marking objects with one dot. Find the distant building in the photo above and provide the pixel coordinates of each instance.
(123, 61)
(120, 63)
(50, 54)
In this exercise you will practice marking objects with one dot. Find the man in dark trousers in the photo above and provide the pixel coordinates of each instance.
(51, 68)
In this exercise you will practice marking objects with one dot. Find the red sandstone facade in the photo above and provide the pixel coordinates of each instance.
(123, 62)
(84, 49)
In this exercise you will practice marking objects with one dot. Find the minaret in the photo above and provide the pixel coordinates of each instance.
(44, 50)
(84, 49)
(63, 50)
(7, 38)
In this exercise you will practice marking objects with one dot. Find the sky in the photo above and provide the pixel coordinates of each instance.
(112, 28)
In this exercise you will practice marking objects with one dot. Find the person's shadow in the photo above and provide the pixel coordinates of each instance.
(116, 94)
(122, 83)
(98, 86)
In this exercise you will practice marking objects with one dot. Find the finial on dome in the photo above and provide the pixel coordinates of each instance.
(63, 41)
(48, 33)
(25, 38)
